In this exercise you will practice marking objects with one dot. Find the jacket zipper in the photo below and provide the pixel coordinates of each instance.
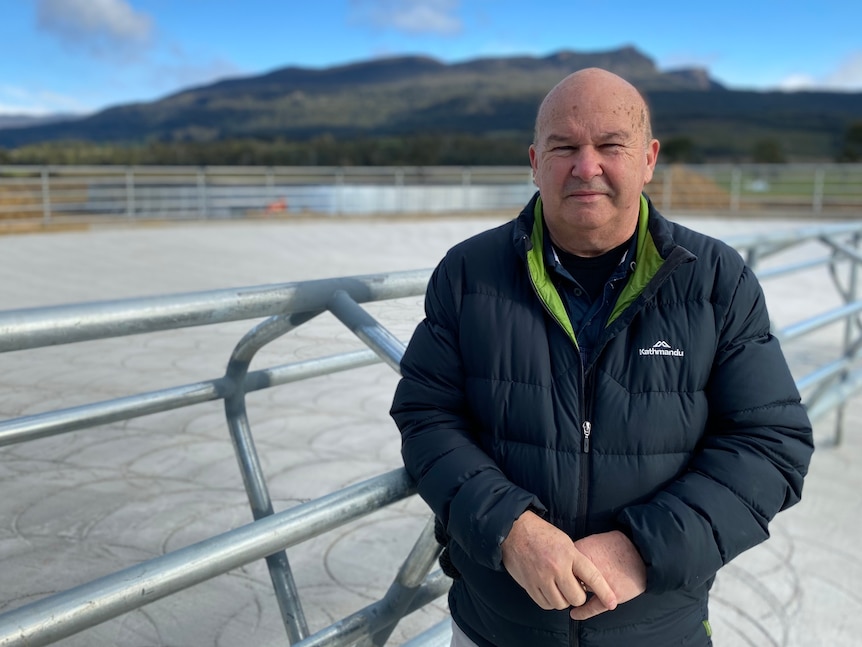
(586, 427)
(584, 483)
(587, 379)
(586, 431)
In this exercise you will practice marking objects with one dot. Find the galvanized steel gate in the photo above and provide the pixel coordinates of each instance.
(286, 307)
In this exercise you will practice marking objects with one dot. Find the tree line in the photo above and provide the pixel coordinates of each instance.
(433, 149)
(325, 150)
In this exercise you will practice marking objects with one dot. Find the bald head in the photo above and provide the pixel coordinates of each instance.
(594, 87)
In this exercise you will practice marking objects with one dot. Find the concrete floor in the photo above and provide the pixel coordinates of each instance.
(92, 502)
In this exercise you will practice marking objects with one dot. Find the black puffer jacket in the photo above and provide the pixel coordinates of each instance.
(696, 436)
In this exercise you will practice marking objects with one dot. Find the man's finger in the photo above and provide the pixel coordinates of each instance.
(595, 582)
(554, 597)
(592, 608)
(573, 591)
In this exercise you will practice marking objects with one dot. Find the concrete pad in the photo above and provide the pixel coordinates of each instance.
(94, 501)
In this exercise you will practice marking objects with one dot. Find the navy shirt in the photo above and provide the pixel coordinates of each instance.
(589, 286)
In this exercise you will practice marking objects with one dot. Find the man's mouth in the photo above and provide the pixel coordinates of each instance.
(587, 195)
(587, 192)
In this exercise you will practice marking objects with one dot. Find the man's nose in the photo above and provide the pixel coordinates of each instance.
(587, 163)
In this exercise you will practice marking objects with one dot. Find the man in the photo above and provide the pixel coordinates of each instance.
(594, 407)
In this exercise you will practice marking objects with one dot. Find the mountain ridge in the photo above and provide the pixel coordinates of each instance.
(490, 97)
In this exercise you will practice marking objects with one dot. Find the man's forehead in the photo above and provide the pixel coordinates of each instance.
(610, 113)
(575, 134)
(568, 134)
(599, 116)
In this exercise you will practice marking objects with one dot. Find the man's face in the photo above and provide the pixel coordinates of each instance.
(591, 161)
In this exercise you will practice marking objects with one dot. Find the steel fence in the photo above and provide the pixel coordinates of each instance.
(51, 194)
(285, 307)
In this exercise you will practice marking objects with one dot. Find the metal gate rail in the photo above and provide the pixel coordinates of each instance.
(285, 307)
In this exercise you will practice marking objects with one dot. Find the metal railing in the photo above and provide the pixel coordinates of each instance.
(51, 194)
(285, 307)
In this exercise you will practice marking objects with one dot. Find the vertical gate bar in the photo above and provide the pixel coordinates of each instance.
(408, 580)
(849, 330)
(278, 565)
(356, 629)
(280, 573)
(752, 257)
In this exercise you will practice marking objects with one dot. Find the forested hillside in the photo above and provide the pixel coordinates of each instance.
(416, 110)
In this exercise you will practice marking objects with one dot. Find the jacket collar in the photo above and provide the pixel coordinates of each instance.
(655, 244)
(649, 219)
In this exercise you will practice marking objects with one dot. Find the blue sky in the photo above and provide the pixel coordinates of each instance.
(84, 55)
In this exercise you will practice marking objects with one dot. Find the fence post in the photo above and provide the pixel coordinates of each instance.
(339, 190)
(400, 199)
(667, 188)
(46, 196)
(130, 193)
(270, 184)
(202, 192)
(817, 204)
(735, 188)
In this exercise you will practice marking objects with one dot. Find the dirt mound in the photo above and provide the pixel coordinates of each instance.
(20, 202)
(678, 187)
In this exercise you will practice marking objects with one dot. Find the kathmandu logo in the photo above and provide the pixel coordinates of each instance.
(662, 348)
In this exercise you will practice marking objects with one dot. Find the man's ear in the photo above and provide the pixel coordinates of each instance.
(651, 159)
(534, 160)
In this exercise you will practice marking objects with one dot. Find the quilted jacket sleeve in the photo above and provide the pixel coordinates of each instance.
(467, 491)
(750, 465)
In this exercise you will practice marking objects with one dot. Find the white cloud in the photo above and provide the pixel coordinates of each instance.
(100, 28)
(847, 76)
(125, 86)
(797, 82)
(410, 16)
(16, 100)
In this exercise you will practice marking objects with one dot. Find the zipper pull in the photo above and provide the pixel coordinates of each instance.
(588, 429)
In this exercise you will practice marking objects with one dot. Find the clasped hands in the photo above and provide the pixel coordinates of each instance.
(557, 573)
